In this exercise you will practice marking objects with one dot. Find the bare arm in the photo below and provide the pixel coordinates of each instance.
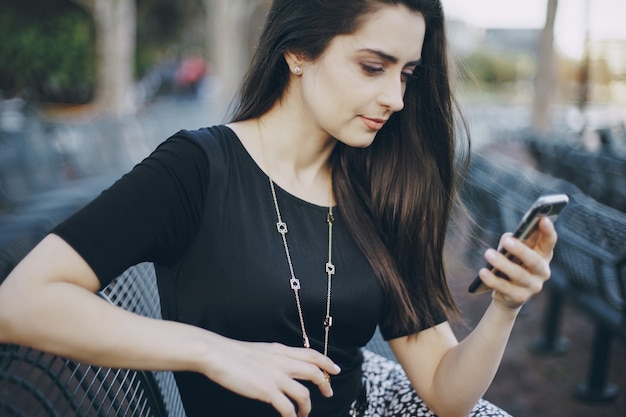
(450, 376)
(49, 302)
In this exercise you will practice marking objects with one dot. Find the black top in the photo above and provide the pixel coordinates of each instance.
(201, 209)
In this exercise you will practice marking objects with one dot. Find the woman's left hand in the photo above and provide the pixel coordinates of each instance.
(525, 279)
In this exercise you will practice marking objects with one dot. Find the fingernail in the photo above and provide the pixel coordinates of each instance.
(337, 368)
(490, 254)
(509, 242)
(331, 392)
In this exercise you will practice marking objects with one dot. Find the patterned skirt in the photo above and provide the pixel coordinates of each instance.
(387, 392)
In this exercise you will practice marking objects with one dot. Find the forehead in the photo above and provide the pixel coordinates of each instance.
(393, 29)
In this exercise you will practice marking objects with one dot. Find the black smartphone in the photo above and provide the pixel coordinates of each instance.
(527, 231)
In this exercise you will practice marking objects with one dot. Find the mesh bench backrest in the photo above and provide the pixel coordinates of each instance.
(38, 384)
(591, 249)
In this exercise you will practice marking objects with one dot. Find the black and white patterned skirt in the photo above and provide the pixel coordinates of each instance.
(387, 392)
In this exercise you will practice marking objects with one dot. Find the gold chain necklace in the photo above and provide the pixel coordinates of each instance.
(294, 283)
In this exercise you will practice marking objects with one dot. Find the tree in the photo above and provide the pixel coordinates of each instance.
(115, 54)
(228, 22)
(545, 77)
(46, 51)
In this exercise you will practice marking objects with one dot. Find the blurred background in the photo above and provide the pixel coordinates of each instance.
(89, 87)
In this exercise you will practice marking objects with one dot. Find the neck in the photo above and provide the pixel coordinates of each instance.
(294, 156)
(296, 147)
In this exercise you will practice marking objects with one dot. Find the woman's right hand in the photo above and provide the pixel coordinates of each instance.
(269, 372)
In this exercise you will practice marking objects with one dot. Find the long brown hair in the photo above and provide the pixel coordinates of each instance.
(396, 196)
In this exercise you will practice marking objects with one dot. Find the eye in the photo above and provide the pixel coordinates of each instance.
(372, 69)
(410, 74)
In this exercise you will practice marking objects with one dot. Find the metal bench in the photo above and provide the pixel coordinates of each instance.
(34, 383)
(600, 175)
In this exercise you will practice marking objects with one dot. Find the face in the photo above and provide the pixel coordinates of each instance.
(360, 79)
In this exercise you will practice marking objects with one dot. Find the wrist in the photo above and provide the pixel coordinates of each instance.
(505, 309)
(195, 349)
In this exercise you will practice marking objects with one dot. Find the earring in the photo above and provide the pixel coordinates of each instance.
(297, 70)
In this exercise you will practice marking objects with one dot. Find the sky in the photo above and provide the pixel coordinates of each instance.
(607, 18)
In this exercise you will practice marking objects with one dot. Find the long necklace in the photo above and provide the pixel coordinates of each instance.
(294, 282)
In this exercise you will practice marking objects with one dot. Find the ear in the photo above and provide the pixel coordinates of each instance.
(294, 62)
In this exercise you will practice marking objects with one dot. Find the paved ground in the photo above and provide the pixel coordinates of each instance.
(537, 386)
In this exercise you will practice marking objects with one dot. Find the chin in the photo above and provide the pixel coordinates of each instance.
(358, 141)
(362, 145)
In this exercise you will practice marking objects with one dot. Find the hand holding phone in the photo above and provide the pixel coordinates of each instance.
(527, 231)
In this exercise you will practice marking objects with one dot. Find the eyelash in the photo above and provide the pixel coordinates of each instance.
(410, 76)
(407, 76)
(372, 69)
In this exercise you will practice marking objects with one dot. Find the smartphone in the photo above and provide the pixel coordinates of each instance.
(527, 231)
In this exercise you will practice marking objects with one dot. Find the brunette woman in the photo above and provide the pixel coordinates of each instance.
(283, 239)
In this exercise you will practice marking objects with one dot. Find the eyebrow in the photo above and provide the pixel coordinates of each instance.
(390, 58)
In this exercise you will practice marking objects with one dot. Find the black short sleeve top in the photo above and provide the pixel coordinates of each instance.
(201, 209)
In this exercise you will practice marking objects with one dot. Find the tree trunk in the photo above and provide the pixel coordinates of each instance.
(228, 22)
(545, 78)
(115, 54)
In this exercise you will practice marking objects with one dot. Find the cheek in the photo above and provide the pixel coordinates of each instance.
(335, 94)
(325, 98)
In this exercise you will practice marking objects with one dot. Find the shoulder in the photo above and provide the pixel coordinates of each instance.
(209, 139)
(217, 144)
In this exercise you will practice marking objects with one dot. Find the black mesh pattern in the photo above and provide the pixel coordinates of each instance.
(38, 384)
(498, 193)
(591, 250)
(136, 290)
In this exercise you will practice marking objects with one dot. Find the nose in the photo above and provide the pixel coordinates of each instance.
(392, 94)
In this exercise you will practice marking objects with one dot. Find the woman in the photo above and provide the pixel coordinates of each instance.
(283, 239)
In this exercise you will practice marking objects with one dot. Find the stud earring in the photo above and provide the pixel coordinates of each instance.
(297, 70)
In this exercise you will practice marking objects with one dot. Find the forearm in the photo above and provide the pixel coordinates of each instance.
(468, 369)
(72, 322)
(48, 302)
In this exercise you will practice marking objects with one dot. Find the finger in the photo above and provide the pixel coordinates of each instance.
(314, 374)
(518, 274)
(548, 238)
(283, 405)
(311, 356)
(321, 361)
(531, 260)
(297, 394)
(520, 283)
(303, 367)
(502, 238)
(523, 280)
(509, 293)
(285, 395)
(305, 364)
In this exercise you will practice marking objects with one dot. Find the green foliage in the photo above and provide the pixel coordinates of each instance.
(47, 51)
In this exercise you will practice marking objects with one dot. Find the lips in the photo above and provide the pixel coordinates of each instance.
(373, 124)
